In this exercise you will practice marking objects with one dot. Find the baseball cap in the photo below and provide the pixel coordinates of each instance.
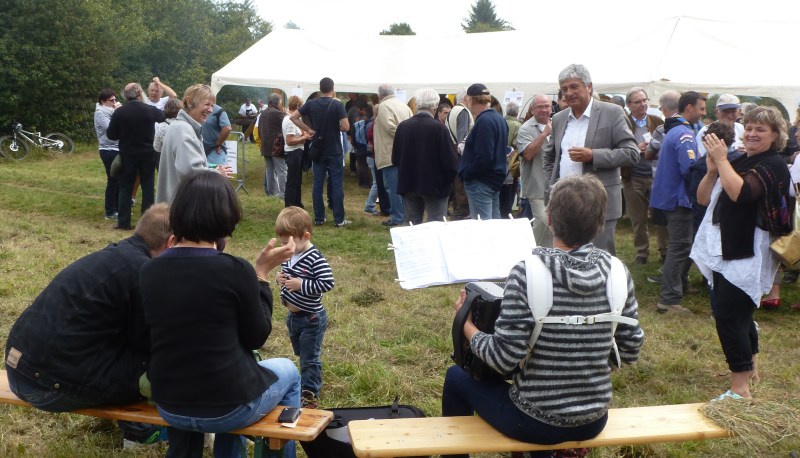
(726, 101)
(477, 89)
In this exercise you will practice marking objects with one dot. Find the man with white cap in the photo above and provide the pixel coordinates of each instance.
(728, 111)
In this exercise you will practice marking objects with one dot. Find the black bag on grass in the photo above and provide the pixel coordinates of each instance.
(334, 441)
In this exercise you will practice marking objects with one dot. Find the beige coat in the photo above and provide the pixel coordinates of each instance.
(391, 113)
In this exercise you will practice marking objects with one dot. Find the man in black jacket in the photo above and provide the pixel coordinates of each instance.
(84, 340)
(426, 161)
(133, 124)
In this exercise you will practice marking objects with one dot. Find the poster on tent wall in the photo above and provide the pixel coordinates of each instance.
(400, 95)
(233, 155)
(516, 97)
(298, 91)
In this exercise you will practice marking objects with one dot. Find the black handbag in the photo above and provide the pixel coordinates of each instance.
(334, 441)
(317, 146)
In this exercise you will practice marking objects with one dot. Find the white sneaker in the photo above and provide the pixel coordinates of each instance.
(343, 223)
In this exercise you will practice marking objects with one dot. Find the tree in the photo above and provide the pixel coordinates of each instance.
(291, 25)
(483, 18)
(399, 29)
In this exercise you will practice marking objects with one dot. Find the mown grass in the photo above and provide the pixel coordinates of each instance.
(381, 340)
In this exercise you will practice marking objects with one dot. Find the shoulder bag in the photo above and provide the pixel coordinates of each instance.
(318, 143)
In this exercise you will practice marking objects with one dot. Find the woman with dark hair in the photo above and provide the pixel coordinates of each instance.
(171, 109)
(202, 371)
(542, 404)
(106, 104)
(746, 201)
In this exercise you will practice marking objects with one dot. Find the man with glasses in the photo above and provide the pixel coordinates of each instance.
(637, 181)
(534, 134)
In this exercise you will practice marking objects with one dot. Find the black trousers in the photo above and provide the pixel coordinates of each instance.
(145, 166)
(294, 178)
(734, 319)
(383, 196)
(364, 175)
(507, 194)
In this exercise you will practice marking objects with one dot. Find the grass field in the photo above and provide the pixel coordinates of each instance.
(381, 340)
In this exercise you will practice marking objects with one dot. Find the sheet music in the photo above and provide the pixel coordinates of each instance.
(418, 255)
(459, 251)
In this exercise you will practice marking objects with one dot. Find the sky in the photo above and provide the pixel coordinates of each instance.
(443, 17)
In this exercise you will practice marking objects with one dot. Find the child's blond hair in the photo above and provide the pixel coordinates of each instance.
(293, 221)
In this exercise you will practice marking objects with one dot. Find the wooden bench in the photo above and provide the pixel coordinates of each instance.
(454, 435)
(309, 426)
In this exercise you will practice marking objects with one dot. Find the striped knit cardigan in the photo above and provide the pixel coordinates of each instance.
(567, 381)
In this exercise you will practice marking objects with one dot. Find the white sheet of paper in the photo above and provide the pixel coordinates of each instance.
(516, 97)
(418, 255)
(647, 137)
(298, 91)
(401, 96)
(233, 155)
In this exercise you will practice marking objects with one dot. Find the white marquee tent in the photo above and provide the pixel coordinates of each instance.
(682, 53)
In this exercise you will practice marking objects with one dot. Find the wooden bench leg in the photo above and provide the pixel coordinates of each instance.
(275, 449)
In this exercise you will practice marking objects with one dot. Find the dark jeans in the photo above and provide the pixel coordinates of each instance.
(675, 276)
(64, 399)
(364, 175)
(414, 205)
(294, 178)
(306, 332)
(464, 396)
(112, 183)
(145, 166)
(353, 167)
(383, 196)
(734, 319)
(332, 165)
(507, 194)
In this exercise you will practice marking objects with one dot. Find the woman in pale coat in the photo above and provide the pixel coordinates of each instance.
(182, 150)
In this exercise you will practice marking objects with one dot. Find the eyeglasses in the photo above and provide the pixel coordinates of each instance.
(542, 107)
(640, 102)
(112, 100)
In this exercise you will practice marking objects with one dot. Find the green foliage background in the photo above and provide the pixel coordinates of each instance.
(57, 55)
(482, 18)
(398, 29)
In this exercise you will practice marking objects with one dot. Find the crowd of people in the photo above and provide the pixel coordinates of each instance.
(719, 194)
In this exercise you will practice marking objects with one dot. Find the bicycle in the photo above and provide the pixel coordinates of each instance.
(12, 147)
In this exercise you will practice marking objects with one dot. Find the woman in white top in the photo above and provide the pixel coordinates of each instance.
(746, 201)
(106, 104)
(182, 150)
(295, 143)
(171, 110)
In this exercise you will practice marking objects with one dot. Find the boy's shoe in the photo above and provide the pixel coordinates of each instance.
(343, 223)
(155, 434)
(112, 216)
(308, 400)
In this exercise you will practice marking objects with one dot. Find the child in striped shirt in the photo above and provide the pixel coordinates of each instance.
(303, 279)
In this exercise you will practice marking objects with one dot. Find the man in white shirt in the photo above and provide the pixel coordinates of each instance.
(592, 138)
(728, 111)
(532, 136)
(155, 92)
(248, 110)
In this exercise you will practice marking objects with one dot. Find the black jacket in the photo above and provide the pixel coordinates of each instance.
(425, 156)
(134, 125)
(86, 330)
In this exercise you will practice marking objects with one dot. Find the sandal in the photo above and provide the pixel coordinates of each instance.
(727, 394)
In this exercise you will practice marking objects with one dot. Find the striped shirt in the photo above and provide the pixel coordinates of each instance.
(317, 278)
(567, 380)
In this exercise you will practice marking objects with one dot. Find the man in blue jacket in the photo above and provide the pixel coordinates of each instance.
(485, 160)
(671, 197)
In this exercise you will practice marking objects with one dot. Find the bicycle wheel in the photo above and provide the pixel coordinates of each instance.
(13, 149)
(63, 145)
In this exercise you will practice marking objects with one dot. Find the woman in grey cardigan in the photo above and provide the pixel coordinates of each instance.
(563, 391)
(182, 149)
(106, 104)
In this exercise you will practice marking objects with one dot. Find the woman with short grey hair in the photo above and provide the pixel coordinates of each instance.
(541, 405)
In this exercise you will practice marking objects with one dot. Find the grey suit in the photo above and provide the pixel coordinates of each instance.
(613, 146)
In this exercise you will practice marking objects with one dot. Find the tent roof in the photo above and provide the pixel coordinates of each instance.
(680, 53)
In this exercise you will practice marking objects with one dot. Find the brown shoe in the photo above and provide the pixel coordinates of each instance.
(640, 260)
(677, 308)
(691, 291)
(308, 400)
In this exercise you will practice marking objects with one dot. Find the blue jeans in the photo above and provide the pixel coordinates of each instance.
(396, 200)
(55, 400)
(285, 391)
(217, 158)
(112, 183)
(483, 200)
(464, 396)
(373, 192)
(334, 167)
(306, 331)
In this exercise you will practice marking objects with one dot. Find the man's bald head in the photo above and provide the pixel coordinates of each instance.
(541, 108)
(132, 91)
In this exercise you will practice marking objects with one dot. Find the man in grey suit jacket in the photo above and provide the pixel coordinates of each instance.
(594, 138)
